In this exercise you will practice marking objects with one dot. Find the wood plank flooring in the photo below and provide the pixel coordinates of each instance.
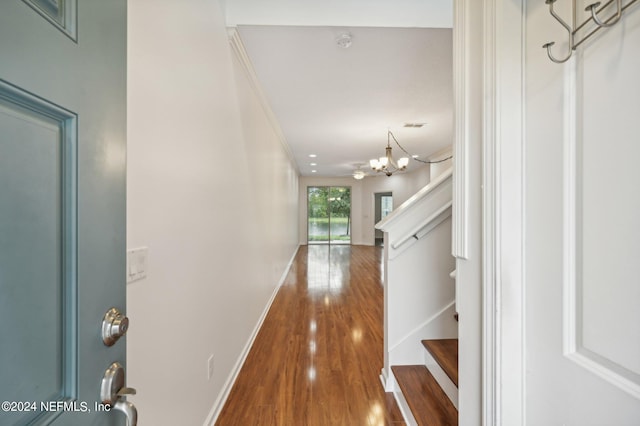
(318, 355)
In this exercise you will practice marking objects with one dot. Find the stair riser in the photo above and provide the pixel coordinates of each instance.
(441, 377)
(445, 383)
(402, 402)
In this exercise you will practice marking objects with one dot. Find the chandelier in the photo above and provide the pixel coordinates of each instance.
(359, 174)
(387, 164)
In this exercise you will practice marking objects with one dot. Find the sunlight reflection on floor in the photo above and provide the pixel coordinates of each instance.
(328, 269)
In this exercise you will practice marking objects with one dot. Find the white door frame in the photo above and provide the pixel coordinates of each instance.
(503, 213)
(501, 38)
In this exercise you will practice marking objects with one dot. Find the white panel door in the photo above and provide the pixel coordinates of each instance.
(582, 210)
(62, 206)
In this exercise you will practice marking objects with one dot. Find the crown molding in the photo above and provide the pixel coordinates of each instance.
(237, 46)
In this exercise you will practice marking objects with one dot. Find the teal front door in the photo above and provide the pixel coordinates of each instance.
(62, 208)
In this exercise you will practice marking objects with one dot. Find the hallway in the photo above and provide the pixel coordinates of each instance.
(318, 355)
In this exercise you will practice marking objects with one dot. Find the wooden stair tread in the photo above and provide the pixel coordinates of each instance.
(428, 402)
(445, 352)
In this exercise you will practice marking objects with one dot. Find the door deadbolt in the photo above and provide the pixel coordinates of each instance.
(114, 325)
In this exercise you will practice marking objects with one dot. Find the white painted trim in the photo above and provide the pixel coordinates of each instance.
(237, 46)
(384, 379)
(461, 131)
(231, 379)
(490, 339)
(569, 210)
(503, 214)
(601, 370)
(429, 320)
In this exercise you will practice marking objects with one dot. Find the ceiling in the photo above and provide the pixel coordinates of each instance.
(338, 103)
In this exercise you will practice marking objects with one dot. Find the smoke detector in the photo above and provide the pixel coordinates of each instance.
(344, 40)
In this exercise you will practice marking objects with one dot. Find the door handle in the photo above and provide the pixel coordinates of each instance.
(113, 392)
(129, 410)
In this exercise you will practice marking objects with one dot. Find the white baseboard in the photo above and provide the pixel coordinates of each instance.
(384, 379)
(226, 389)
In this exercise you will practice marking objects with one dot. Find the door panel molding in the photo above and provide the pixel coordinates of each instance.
(62, 14)
(575, 323)
(56, 277)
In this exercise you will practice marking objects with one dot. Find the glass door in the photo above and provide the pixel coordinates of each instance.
(329, 215)
(383, 206)
(340, 215)
(317, 214)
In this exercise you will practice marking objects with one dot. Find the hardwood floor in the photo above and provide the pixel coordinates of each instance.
(318, 355)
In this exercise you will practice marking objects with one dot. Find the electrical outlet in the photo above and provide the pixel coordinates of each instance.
(210, 367)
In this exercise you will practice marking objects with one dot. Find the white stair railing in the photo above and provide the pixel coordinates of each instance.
(419, 297)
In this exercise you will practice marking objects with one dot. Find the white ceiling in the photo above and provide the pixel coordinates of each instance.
(338, 103)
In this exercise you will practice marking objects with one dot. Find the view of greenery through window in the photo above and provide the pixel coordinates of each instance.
(386, 205)
(329, 214)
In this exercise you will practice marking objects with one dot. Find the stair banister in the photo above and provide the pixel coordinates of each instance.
(419, 297)
(423, 225)
(398, 213)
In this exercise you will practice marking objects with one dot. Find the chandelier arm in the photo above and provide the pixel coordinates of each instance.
(398, 143)
(416, 159)
(435, 162)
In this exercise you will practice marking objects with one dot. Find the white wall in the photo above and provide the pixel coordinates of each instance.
(212, 194)
(442, 162)
(402, 186)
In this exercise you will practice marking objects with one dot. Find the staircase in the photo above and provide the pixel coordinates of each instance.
(422, 393)
(420, 342)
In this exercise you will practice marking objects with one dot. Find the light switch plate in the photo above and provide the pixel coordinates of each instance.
(137, 264)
